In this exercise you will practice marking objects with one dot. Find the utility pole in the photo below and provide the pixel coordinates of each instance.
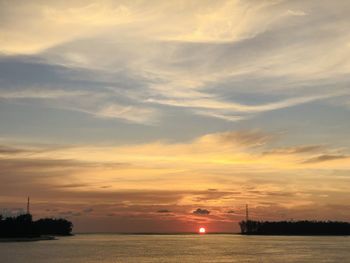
(28, 212)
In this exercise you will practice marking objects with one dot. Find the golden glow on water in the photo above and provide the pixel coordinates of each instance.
(179, 248)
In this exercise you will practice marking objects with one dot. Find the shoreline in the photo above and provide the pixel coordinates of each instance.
(299, 235)
(26, 239)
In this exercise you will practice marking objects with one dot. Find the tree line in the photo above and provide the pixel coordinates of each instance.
(24, 226)
(305, 227)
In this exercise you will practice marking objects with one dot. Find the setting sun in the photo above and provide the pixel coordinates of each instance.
(202, 230)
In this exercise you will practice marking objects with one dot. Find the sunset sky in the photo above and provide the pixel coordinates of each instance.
(143, 116)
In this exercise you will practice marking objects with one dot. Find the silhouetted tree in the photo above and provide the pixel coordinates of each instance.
(305, 227)
(24, 226)
(49, 226)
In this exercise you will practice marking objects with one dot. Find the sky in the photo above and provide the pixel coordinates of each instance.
(166, 116)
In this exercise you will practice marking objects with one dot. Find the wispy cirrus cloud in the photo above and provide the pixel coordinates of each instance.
(233, 109)
(40, 93)
(129, 113)
(160, 56)
(304, 149)
(326, 157)
(90, 102)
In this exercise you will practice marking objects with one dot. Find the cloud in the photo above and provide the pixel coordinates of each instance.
(88, 210)
(245, 138)
(164, 43)
(46, 163)
(325, 158)
(200, 211)
(8, 150)
(201, 21)
(40, 94)
(296, 12)
(303, 149)
(89, 103)
(225, 161)
(69, 213)
(163, 211)
(224, 116)
(232, 110)
(129, 113)
(59, 22)
(71, 186)
(210, 196)
(58, 87)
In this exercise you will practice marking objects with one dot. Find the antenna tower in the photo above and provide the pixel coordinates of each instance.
(246, 213)
(28, 212)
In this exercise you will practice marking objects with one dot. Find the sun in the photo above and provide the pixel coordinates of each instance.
(202, 230)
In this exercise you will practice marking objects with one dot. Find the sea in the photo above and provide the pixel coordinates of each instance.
(111, 248)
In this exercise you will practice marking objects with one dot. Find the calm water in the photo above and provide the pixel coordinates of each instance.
(178, 248)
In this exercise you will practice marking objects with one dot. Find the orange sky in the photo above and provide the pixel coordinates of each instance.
(159, 185)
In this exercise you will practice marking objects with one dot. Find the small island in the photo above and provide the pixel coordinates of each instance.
(23, 228)
(298, 228)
